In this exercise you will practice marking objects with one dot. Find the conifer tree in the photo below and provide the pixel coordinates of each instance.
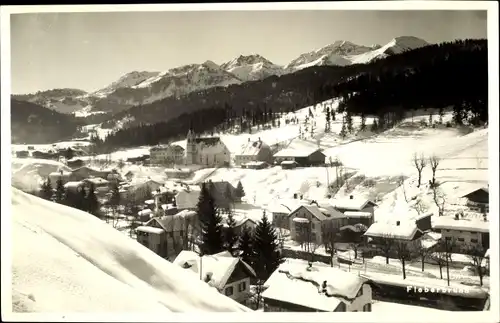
(349, 122)
(266, 248)
(230, 237)
(239, 190)
(328, 119)
(210, 222)
(246, 246)
(363, 122)
(343, 130)
(60, 192)
(92, 202)
(46, 190)
(374, 127)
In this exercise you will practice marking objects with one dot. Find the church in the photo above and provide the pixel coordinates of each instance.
(207, 151)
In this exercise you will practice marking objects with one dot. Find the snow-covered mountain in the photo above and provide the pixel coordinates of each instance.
(343, 53)
(145, 87)
(64, 100)
(67, 260)
(127, 80)
(174, 82)
(252, 67)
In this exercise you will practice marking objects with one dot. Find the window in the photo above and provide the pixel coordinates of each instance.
(242, 286)
(461, 239)
(448, 238)
(474, 240)
(229, 291)
(367, 307)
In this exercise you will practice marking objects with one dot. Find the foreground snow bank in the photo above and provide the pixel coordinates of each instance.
(67, 260)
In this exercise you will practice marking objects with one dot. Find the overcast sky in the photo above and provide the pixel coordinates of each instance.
(90, 50)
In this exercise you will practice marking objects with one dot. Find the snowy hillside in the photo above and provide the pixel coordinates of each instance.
(66, 101)
(252, 67)
(66, 260)
(127, 80)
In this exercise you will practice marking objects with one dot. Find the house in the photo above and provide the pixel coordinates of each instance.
(208, 151)
(100, 184)
(254, 151)
(297, 286)
(75, 163)
(187, 198)
(55, 176)
(145, 185)
(74, 186)
(463, 231)
(229, 275)
(478, 200)
(138, 159)
(255, 165)
(303, 157)
(356, 204)
(178, 173)
(393, 233)
(167, 235)
(167, 155)
(84, 172)
(309, 221)
(22, 154)
(241, 223)
(282, 208)
(223, 193)
(144, 215)
(289, 164)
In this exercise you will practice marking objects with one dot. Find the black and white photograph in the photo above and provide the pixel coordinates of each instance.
(288, 158)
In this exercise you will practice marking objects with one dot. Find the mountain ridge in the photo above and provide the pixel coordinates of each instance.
(144, 87)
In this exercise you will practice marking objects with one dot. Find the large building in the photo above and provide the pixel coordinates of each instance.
(167, 155)
(207, 151)
(304, 157)
(254, 151)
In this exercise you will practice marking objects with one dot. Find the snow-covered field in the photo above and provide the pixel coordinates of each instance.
(65, 260)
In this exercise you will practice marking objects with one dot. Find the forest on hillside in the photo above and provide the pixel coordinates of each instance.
(436, 76)
(34, 124)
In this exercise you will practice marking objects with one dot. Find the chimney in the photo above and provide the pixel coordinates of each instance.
(456, 216)
(398, 223)
(351, 197)
(295, 196)
(301, 196)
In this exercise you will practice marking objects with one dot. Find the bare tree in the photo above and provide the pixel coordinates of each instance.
(477, 253)
(423, 252)
(404, 251)
(439, 199)
(329, 235)
(385, 245)
(439, 257)
(419, 163)
(307, 238)
(434, 163)
(419, 206)
(257, 293)
(444, 249)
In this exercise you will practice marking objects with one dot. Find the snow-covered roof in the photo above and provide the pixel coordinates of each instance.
(149, 229)
(355, 228)
(473, 189)
(252, 148)
(54, 174)
(145, 212)
(92, 267)
(97, 181)
(219, 267)
(450, 223)
(357, 214)
(355, 203)
(177, 222)
(168, 207)
(302, 152)
(285, 205)
(341, 286)
(404, 231)
(73, 184)
(149, 202)
(255, 163)
(487, 253)
(321, 213)
(288, 162)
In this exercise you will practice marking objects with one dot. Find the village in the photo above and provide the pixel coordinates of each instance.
(334, 255)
